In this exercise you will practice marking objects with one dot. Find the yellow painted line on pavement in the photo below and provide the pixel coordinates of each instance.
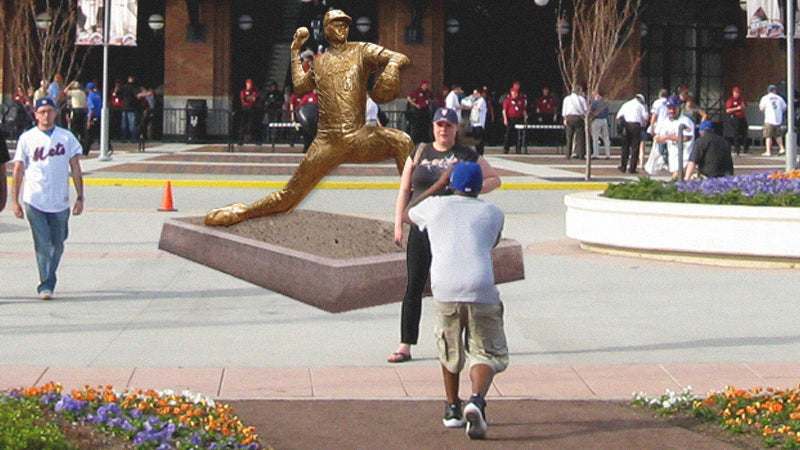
(234, 184)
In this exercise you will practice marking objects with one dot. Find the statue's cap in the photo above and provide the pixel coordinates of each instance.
(335, 14)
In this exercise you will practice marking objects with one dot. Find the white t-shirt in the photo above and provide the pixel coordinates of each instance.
(633, 111)
(451, 101)
(574, 105)
(660, 111)
(462, 232)
(372, 112)
(773, 106)
(670, 126)
(46, 160)
(477, 113)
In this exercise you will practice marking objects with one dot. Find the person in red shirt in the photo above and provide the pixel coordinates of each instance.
(735, 107)
(442, 96)
(249, 115)
(418, 113)
(515, 110)
(546, 107)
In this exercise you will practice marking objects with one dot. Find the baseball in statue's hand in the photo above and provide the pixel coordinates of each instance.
(300, 37)
(226, 216)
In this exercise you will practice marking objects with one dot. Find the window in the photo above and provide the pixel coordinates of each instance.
(689, 55)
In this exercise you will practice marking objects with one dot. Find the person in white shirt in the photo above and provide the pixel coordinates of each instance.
(668, 132)
(632, 116)
(469, 325)
(46, 157)
(76, 102)
(477, 117)
(453, 99)
(371, 115)
(773, 106)
(574, 110)
(658, 111)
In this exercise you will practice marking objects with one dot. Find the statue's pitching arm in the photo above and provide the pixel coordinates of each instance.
(303, 81)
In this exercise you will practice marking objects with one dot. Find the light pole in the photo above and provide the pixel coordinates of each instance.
(791, 140)
(105, 112)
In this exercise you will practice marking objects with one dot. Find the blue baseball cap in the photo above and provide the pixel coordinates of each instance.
(673, 101)
(706, 125)
(44, 101)
(772, 88)
(445, 114)
(466, 177)
(90, 85)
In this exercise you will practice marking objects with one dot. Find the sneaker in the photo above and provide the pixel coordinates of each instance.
(475, 415)
(46, 294)
(452, 416)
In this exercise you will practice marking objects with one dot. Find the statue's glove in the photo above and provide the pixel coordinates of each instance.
(387, 85)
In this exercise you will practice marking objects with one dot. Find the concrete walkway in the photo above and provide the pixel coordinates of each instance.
(580, 326)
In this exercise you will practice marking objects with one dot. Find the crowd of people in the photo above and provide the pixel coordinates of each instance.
(78, 108)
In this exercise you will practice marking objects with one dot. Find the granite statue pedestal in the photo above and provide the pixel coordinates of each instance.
(333, 262)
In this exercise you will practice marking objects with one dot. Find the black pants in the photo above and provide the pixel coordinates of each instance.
(77, 122)
(511, 134)
(418, 264)
(575, 128)
(420, 124)
(92, 134)
(250, 121)
(478, 133)
(739, 130)
(631, 137)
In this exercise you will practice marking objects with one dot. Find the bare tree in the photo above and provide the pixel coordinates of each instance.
(39, 37)
(600, 30)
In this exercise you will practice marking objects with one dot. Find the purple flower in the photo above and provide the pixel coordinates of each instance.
(748, 185)
(69, 404)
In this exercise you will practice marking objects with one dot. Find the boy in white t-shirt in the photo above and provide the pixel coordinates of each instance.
(773, 106)
(462, 232)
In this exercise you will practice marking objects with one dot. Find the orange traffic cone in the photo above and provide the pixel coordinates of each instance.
(166, 202)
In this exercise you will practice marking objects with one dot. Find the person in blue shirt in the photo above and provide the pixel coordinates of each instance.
(94, 107)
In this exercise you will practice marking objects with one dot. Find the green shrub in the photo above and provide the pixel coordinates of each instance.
(22, 427)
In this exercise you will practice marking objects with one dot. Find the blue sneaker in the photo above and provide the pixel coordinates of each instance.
(475, 414)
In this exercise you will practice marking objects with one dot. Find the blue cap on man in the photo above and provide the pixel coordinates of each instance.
(706, 125)
(44, 101)
(89, 86)
(467, 177)
(673, 101)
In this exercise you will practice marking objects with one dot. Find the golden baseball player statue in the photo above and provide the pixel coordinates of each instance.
(340, 76)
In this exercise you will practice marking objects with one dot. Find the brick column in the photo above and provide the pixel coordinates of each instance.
(197, 69)
(427, 60)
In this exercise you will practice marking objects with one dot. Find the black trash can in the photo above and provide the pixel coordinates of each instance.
(196, 115)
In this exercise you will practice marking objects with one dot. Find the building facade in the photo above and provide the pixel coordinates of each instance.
(207, 48)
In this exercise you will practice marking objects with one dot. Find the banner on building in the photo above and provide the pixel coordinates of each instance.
(766, 19)
(91, 16)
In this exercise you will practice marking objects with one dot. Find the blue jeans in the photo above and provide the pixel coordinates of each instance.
(49, 233)
(128, 126)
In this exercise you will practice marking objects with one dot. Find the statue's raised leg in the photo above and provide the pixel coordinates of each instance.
(320, 160)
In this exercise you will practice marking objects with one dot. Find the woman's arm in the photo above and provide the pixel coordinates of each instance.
(491, 179)
(403, 196)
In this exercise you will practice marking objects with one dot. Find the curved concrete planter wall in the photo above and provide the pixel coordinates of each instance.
(692, 230)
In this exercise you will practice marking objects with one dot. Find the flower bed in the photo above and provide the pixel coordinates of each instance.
(710, 221)
(150, 419)
(758, 189)
(773, 414)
